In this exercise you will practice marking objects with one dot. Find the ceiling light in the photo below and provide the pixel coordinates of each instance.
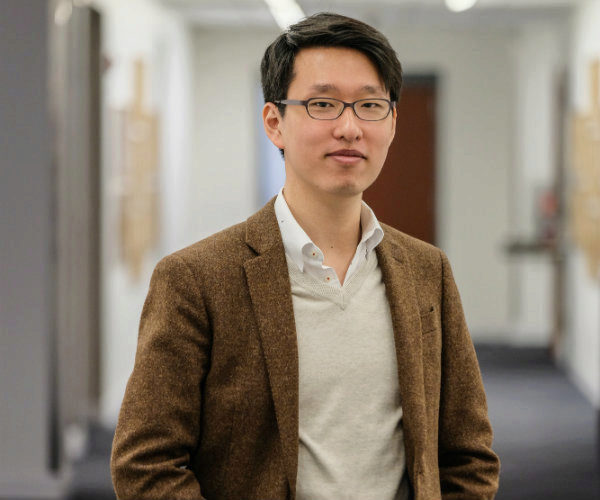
(460, 5)
(285, 12)
(63, 12)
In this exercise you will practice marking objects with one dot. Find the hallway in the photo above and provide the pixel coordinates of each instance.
(544, 429)
(132, 129)
(544, 433)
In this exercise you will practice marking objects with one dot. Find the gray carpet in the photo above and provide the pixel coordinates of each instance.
(545, 433)
(545, 430)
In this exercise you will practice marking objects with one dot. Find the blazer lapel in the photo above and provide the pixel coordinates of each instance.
(401, 294)
(270, 292)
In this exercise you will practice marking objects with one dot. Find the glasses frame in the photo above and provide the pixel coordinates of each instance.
(296, 102)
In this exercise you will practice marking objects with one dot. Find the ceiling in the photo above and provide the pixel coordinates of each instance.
(486, 13)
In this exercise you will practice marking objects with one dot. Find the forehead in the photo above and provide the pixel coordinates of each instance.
(335, 69)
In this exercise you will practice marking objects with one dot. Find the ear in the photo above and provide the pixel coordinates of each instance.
(394, 120)
(273, 121)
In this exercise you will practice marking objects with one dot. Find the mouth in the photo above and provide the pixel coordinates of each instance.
(347, 155)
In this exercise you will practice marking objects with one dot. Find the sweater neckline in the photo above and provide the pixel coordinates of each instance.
(338, 295)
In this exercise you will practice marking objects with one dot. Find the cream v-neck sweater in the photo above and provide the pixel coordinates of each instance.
(351, 441)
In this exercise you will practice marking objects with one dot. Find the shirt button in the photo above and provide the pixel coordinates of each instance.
(314, 253)
(328, 278)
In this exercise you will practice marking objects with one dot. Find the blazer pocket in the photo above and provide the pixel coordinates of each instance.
(430, 320)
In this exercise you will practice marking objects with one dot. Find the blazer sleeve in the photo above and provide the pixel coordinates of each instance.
(158, 426)
(468, 467)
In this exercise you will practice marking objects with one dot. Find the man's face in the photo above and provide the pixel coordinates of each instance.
(336, 157)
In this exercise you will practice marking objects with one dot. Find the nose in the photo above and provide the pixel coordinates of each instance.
(347, 126)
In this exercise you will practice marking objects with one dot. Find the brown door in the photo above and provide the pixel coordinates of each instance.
(403, 195)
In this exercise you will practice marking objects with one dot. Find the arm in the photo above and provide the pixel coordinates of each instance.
(468, 467)
(158, 427)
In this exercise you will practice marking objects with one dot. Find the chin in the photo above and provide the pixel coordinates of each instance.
(348, 190)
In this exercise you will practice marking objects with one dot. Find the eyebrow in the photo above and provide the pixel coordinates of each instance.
(328, 87)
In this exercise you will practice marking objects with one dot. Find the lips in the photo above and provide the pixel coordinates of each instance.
(350, 153)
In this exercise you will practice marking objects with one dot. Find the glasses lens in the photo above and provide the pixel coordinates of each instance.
(372, 109)
(324, 109)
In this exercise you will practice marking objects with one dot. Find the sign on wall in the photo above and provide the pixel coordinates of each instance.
(135, 148)
(585, 196)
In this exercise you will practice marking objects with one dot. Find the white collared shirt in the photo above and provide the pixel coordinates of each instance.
(301, 250)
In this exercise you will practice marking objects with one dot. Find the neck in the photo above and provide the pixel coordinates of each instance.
(331, 222)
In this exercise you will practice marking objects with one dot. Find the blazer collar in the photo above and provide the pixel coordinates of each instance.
(271, 296)
(270, 292)
(404, 307)
(262, 230)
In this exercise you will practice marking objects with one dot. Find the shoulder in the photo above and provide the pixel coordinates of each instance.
(423, 258)
(219, 258)
(218, 251)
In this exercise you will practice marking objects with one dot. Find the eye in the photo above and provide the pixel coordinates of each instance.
(321, 104)
(324, 108)
(372, 105)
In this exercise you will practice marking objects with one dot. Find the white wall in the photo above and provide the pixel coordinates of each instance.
(581, 350)
(27, 255)
(140, 29)
(539, 54)
(226, 132)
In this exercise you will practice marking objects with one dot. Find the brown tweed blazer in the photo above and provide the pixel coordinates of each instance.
(211, 407)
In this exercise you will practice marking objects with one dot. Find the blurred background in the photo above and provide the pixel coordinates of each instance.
(131, 128)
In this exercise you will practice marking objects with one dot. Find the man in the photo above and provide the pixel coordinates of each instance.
(310, 352)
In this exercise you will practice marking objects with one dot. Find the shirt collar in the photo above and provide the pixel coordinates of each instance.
(297, 243)
(293, 236)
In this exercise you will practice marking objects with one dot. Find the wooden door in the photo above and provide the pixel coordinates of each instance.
(403, 195)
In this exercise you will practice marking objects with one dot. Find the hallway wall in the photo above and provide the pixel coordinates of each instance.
(27, 254)
(581, 349)
(225, 166)
(141, 30)
(539, 53)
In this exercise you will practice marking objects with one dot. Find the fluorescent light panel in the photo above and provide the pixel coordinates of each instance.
(460, 5)
(285, 12)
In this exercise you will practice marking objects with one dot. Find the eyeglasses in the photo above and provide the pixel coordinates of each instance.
(327, 108)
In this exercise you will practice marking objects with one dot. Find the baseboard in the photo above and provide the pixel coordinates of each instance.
(513, 336)
(598, 434)
(584, 387)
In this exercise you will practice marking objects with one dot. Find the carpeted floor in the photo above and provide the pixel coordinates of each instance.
(545, 430)
(545, 433)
